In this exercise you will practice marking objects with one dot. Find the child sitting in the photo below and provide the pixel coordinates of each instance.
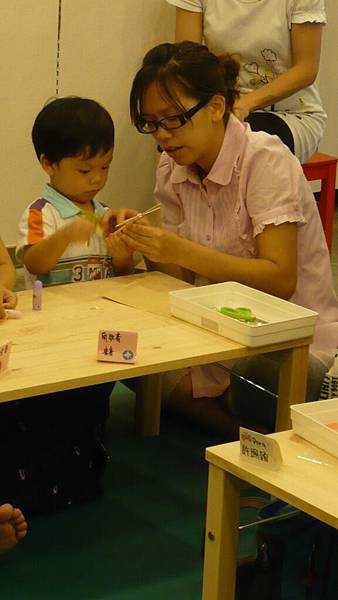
(60, 238)
(13, 525)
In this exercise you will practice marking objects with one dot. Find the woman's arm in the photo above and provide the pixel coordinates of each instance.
(7, 269)
(305, 48)
(170, 269)
(189, 26)
(273, 271)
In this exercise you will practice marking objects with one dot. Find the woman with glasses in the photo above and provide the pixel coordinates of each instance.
(235, 206)
(278, 46)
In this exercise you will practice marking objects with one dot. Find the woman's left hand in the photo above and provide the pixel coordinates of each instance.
(155, 243)
(117, 247)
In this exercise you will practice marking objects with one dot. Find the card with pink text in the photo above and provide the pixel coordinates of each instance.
(117, 346)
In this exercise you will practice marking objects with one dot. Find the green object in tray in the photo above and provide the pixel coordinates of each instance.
(241, 313)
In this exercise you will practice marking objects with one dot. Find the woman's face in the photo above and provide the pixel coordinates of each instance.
(199, 140)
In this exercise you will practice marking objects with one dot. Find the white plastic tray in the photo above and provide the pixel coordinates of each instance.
(283, 320)
(310, 421)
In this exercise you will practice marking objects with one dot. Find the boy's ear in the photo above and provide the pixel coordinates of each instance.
(217, 105)
(47, 166)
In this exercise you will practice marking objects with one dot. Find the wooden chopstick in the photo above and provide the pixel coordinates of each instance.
(139, 216)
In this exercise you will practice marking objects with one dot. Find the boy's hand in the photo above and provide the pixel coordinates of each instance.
(114, 216)
(8, 299)
(79, 230)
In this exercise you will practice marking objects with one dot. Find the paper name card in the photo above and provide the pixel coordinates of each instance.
(117, 346)
(259, 449)
(4, 356)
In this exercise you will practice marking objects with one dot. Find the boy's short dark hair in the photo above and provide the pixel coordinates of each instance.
(69, 126)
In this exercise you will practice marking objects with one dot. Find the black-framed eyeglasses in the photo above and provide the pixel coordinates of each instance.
(172, 122)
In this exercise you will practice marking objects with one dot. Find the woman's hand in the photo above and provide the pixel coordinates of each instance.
(114, 216)
(155, 243)
(118, 247)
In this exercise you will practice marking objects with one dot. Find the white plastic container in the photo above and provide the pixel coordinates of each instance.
(311, 420)
(277, 320)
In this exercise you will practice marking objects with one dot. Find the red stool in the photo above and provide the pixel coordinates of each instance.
(323, 166)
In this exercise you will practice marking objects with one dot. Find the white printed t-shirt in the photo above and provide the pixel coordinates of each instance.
(81, 261)
(257, 32)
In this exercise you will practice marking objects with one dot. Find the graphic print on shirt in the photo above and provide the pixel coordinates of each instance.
(262, 75)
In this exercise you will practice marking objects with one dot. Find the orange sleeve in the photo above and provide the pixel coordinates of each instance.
(35, 226)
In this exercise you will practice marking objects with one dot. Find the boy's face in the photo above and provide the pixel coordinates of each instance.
(79, 178)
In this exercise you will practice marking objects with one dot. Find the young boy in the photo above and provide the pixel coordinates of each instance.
(61, 240)
(60, 236)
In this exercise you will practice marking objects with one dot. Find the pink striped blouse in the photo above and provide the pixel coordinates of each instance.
(255, 181)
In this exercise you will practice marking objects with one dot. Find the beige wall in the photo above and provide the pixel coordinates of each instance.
(102, 43)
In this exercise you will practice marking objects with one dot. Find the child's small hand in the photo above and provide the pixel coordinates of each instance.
(79, 230)
(8, 299)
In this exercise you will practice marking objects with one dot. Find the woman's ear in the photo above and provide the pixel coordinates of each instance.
(218, 107)
(47, 166)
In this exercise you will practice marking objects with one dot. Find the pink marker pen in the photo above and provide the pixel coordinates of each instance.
(37, 295)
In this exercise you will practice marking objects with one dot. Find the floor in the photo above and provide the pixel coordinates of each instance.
(142, 540)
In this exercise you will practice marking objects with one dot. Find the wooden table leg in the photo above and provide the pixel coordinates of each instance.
(221, 536)
(148, 404)
(292, 383)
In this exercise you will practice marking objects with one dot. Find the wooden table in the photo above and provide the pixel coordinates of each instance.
(55, 348)
(308, 479)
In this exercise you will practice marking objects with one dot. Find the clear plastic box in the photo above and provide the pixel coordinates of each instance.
(317, 422)
(277, 320)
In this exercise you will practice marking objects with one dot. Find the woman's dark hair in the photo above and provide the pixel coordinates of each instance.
(70, 126)
(191, 68)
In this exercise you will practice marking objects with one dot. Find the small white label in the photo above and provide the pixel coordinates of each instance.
(260, 449)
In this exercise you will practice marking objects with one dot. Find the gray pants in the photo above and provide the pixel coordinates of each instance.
(255, 405)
